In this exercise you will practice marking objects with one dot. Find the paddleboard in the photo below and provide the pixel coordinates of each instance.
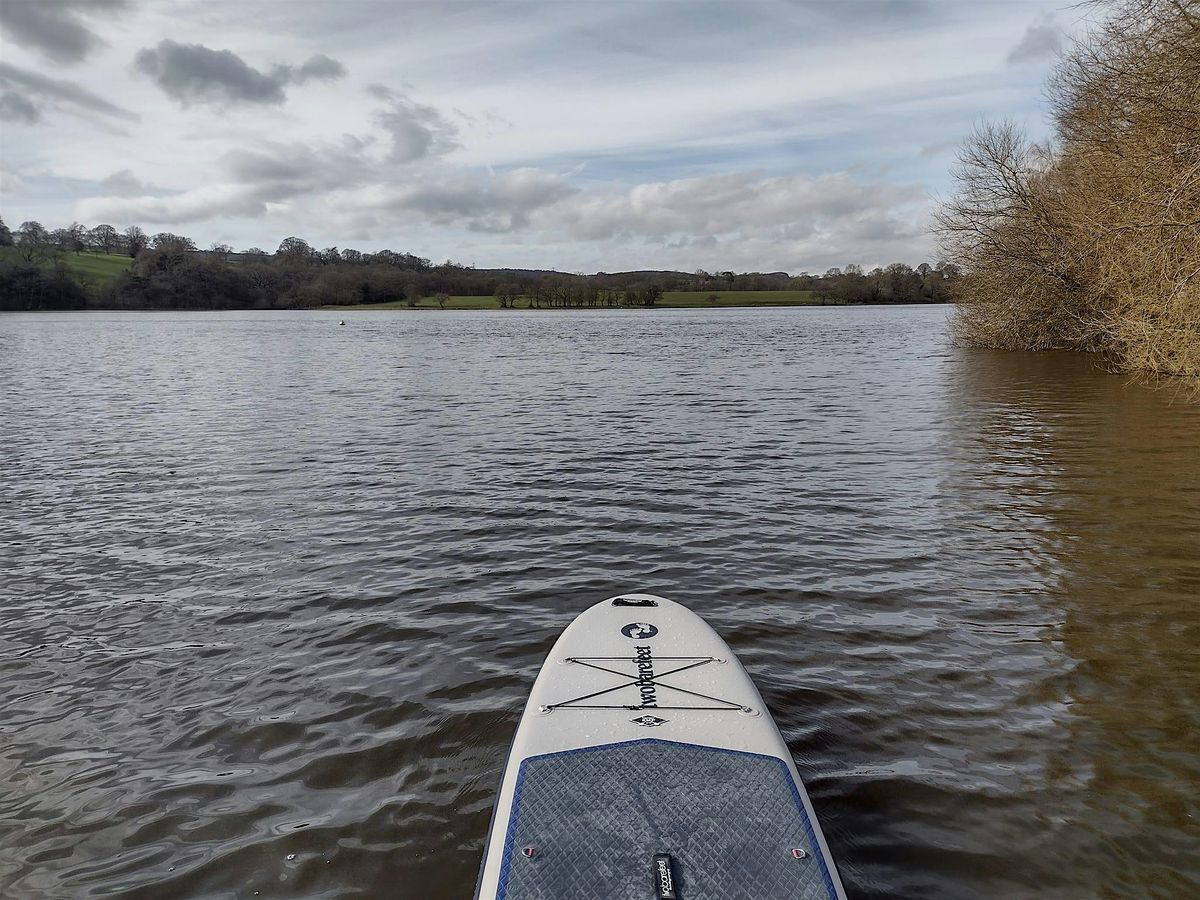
(646, 767)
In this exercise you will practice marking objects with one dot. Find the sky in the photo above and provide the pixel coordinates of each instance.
(579, 135)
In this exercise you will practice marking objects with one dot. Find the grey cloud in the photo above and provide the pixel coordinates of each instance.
(250, 181)
(744, 202)
(56, 27)
(193, 73)
(125, 184)
(416, 130)
(876, 226)
(494, 203)
(482, 202)
(1040, 43)
(319, 67)
(932, 150)
(15, 108)
(38, 91)
(279, 172)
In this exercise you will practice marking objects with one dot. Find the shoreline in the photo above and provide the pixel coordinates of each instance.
(435, 309)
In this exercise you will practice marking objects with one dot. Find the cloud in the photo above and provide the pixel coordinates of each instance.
(937, 149)
(416, 130)
(33, 90)
(16, 108)
(320, 67)
(125, 184)
(193, 73)
(1040, 43)
(742, 219)
(251, 180)
(11, 182)
(55, 27)
(196, 205)
(746, 219)
(479, 201)
(743, 202)
(277, 172)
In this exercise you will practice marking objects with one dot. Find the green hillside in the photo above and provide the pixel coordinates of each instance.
(102, 267)
(96, 268)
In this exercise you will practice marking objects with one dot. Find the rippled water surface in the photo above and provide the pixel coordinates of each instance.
(273, 591)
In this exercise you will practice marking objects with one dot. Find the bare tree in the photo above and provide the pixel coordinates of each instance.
(105, 238)
(33, 241)
(135, 241)
(295, 251)
(172, 243)
(77, 237)
(1094, 243)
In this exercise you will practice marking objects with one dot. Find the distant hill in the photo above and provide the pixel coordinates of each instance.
(648, 273)
(523, 273)
(543, 273)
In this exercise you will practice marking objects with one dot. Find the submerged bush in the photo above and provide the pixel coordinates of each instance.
(1093, 243)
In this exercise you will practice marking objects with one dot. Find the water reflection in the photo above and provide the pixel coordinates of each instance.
(1099, 482)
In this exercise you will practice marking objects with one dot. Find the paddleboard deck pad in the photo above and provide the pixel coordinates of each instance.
(646, 767)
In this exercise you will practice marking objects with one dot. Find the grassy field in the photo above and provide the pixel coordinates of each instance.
(671, 299)
(95, 268)
(100, 267)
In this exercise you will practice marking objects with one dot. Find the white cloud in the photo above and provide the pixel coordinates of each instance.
(197, 205)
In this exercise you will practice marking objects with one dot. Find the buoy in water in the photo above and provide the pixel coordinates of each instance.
(341, 321)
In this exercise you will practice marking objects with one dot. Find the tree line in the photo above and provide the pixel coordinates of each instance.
(1091, 242)
(170, 272)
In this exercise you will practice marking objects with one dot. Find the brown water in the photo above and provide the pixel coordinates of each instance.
(274, 591)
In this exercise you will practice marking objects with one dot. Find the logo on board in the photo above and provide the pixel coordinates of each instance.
(644, 661)
(639, 631)
(664, 880)
(649, 721)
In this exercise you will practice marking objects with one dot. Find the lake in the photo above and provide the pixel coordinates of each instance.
(274, 590)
